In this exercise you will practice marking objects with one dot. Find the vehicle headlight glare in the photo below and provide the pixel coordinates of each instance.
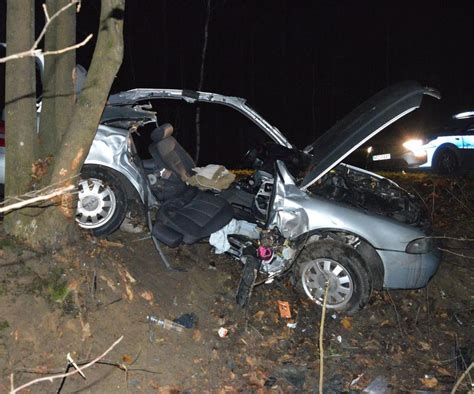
(420, 246)
(413, 144)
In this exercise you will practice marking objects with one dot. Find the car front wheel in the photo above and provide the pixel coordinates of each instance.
(446, 162)
(102, 201)
(338, 266)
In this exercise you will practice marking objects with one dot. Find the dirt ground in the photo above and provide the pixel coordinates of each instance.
(81, 299)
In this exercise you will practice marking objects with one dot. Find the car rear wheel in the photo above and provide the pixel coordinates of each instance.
(341, 268)
(102, 201)
(446, 162)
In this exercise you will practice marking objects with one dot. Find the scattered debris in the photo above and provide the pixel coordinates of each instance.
(378, 386)
(356, 380)
(284, 308)
(187, 320)
(429, 381)
(147, 295)
(164, 323)
(223, 332)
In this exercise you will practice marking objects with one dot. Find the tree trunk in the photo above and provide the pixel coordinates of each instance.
(55, 225)
(201, 81)
(58, 82)
(20, 110)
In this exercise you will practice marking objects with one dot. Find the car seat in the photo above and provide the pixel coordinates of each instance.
(188, 214)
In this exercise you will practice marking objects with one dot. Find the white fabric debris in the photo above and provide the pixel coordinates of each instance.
(242, 227)
(211, 177)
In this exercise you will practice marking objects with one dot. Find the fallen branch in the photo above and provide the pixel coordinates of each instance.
(34, 193)
(62, 375)
(34, 51)
(462, 377)
(321, 340)
(456, 254)
(396, 313)
(33, 200)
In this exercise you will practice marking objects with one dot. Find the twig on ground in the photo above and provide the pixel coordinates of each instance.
(462, 377)
(82, 362)
(63, 375)
(469, 210)
(321, 339)
(427, 309)
(433, 202)
(396, 314)
(456, 254)
(33, 200)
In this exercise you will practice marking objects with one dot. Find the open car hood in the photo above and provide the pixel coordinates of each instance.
(361, 124)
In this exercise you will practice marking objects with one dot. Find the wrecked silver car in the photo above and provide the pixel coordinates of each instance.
(302, 212)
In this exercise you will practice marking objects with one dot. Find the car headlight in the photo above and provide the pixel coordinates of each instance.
(413, 144)
(420, 246)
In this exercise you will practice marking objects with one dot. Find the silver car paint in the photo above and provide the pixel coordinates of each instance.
(236, 103)
(110, 146)
(111, 149)
(408, 271)
(295, 211)
(389, 237)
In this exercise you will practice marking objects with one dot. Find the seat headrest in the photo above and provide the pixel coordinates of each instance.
(165, 130)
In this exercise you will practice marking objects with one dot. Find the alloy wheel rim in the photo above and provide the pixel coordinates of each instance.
(96, 203)
(319, 271)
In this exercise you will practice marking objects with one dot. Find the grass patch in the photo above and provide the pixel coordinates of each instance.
(4, 325)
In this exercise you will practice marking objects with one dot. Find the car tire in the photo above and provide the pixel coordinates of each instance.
(102, 201)
(446, 162)
(349, 281)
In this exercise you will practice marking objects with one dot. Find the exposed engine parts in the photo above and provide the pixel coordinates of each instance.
(365, 191)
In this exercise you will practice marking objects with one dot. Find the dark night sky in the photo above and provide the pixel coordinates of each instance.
(303, 65)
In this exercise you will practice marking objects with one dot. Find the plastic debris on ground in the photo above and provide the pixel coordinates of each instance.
(378, 386)
(284, 308)
(223, 332)
(164, 323)
(187, 320)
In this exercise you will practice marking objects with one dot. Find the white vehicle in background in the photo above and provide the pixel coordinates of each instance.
(449, 150)
(446, 150)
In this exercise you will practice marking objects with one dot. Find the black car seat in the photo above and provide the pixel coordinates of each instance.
(189, 214)
(169, 153)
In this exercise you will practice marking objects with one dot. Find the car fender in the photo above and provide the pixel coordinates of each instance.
(110, 150)
(368, 253)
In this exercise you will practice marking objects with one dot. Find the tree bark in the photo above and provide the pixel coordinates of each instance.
(20, 110)
(55, 225)
(108, 54)
(58, 82)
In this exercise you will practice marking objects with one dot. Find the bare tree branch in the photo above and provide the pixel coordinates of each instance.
(62, 375)
(34, 50)
(456, 254)
(33, 200)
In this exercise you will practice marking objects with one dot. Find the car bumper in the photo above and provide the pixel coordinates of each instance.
(408, 271)
(398, 160)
